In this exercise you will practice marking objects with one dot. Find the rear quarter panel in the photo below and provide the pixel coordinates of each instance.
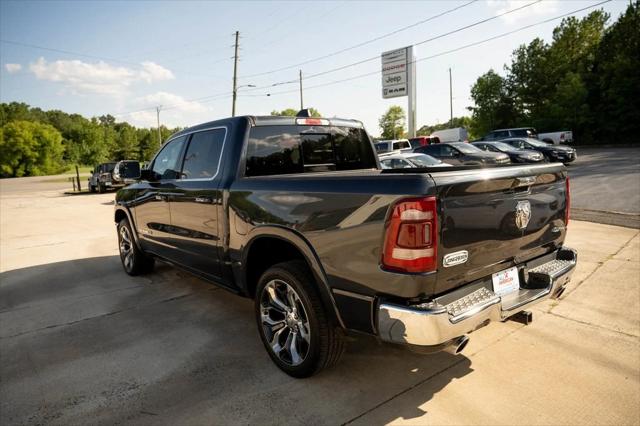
(340, 215)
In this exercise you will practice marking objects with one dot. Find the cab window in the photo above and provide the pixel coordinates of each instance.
(203, 154)
(166, 165)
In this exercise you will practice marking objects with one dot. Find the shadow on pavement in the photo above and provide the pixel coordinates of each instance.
(82, 342)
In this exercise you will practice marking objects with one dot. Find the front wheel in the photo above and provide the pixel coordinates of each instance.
(134, 261)
(293, 324)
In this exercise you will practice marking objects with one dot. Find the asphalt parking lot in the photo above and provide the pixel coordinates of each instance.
(81, 342)
(605, 185)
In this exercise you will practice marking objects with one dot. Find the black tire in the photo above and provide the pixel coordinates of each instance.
(138, 263)
(92, 188)
(102, 188)
(325, 340)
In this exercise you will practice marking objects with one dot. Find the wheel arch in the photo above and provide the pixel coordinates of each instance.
(269, 245)
(124, 213)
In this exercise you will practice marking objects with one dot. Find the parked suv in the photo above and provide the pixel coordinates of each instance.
(113, 175)
(462, 154)
(296, 214)
(518, 132)
(101, 176)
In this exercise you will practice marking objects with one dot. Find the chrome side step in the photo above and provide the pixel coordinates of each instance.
(471, 304)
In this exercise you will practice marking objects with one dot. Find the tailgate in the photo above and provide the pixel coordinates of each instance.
(500, 217)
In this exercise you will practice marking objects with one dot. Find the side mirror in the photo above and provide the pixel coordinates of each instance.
(148, 175)
(129, 170)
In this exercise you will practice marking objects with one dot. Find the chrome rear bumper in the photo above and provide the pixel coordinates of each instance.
(464, 310)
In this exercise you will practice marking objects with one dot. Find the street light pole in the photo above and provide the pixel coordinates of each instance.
(301, 102)
(158, 117)
(235, 76)
(450, 99)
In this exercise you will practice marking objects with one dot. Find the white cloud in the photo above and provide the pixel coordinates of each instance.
(172, 101)
(175, 111)
(101, 78)
(544, 7)
(13, 68)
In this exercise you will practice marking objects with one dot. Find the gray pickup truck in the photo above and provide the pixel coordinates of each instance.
(296, 213)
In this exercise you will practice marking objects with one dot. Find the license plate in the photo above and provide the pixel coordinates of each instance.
(505, 282)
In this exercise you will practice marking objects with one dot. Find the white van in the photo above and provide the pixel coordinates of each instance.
(459, 134)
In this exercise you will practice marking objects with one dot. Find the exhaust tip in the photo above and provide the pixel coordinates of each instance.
(462, 343)
(457, 345)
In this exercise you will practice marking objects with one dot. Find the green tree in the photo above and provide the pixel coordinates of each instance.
(29, 149)
(290, 112)
(127, 146)
(392, 123)
(615, 91)
(466, 122)
(494, 107)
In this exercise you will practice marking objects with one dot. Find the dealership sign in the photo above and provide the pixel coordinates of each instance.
(395, 73)
(399, 79)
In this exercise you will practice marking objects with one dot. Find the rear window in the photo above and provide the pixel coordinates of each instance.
(401, 145)
(382, 146)
(274, 150)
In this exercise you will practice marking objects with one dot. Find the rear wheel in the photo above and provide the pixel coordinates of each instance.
(293, 324)
(134, 261)
(102, 188)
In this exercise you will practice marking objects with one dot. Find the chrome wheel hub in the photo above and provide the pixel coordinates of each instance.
(285, 322)
(126, 248)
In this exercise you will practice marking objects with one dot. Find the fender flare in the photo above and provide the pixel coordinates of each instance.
(295, 238)
(121, 208)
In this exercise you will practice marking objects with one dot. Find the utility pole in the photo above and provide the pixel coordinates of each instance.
(450, 98)
(158, 116)
(235, 76)
(301, 103)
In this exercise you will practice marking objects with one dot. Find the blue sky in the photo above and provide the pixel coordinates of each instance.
(126, 57)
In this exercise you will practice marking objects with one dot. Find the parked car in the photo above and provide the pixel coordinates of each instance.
(518, 132)
(394, 145)
(458, 134)
(557, 138)
(113, 175)
(296, 214)
(516, 155)
(462, 154)
(100, 175)
(410, 160)
(562, 154)
(423, 140)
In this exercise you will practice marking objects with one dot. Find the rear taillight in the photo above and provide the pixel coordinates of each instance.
(410, 241)
(568, 196)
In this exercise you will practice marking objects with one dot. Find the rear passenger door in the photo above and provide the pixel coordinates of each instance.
(196, 203)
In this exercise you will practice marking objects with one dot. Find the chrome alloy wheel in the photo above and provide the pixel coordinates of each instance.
(285, 322)
(126, 248)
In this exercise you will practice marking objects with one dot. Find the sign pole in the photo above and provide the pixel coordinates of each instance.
(411, 62)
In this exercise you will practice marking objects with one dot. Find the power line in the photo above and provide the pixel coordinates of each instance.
(363, 43)
(87, 55)
(68, 52)
(373, 58)
(457, 49)
(226, 95)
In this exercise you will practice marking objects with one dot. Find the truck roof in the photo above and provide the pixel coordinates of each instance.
(268, 120)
